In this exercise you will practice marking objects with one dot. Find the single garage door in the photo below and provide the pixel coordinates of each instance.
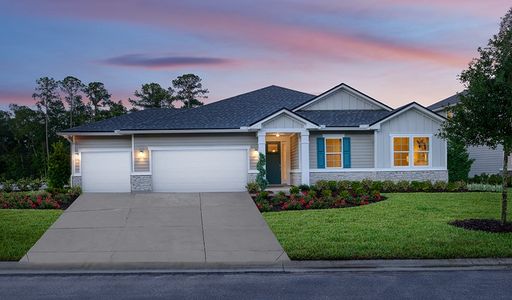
(106, 171)
(194, 170)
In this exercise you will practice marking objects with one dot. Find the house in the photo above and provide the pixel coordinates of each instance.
(337, 135)
(486, 160)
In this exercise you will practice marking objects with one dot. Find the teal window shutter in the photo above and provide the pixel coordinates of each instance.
(346, 153)
(320, 153)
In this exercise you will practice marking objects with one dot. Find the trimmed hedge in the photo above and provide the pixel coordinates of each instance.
(49, 199)
(389, 186)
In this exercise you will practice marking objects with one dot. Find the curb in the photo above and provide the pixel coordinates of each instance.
(26, 269)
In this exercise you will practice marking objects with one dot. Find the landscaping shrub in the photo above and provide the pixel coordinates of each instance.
(294, 190)
(304, 188)
(261, 178)
(252, 187)
(58, 167)
(482, 187)
(23, 185)
(493, 179)
(51, 199)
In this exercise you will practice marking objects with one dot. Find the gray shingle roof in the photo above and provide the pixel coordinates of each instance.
(126, 121)
(344, 118)
(445, 102)
(231, 113)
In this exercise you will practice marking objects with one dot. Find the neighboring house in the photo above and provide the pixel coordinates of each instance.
(486, 160)
(340, 134)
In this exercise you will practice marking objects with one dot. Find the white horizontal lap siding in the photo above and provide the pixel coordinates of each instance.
(102, 142)
(487, 160)
(200, 140)
(361, 152)
(294, 152)
(341, 100)
(411, 122)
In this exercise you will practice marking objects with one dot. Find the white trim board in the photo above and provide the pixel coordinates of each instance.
(307, 124)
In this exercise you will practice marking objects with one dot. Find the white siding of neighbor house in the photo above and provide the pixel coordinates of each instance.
(342, 100)
(361, 152)
(102, 142)
(184, 140)
(412, 121)
(487, 160)
(283, 121)
(294, 151)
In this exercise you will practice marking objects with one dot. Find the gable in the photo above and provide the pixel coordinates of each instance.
(283, 121)
(411, 121)
(342, 99)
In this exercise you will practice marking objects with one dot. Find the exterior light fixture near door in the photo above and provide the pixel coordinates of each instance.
(277, 134)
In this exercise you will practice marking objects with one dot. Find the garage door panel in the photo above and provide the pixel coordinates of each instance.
(106, 171)
(199, 170)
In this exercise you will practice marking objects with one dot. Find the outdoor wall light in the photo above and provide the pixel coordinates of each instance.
(277, 134)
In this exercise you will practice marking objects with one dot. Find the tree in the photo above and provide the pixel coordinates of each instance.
(152, 95)
(26, 143)
(59, 171)
(261, 178)
(115, 109)
(484, 114)
(48, 101)
(189, 90)
(72, 88)
(98, 97)
(459, 163)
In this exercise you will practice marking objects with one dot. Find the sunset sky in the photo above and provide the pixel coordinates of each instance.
(394, 50)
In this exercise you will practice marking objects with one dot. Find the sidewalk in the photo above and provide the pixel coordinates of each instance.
(16, 268)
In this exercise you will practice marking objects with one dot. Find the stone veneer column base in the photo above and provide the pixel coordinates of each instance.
(296, 178)
(76, 181)
(142, 183)
(433, 175)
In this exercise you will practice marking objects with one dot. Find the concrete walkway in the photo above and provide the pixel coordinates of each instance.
(159, 227)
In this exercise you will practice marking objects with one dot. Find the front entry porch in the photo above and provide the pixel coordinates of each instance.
(287, 157)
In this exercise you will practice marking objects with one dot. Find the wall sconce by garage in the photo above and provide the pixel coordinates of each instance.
(141, 153)
(277, 135)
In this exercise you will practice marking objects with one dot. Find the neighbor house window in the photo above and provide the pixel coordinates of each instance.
(407, 147)
(333, 152)
(401, 151)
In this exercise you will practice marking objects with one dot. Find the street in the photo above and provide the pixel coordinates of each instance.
(459, 284)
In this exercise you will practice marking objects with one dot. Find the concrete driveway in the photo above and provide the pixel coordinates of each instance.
(158, 227)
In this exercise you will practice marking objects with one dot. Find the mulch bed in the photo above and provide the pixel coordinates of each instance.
(487, 225)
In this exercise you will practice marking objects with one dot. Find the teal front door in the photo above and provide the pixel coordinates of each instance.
(273, 162)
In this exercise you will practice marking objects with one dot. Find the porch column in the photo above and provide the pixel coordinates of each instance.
(304, 156)
(261, 141)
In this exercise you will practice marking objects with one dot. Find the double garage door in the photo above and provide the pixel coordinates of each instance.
(184, 170)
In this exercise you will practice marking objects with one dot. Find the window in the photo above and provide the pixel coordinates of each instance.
(333, 153)
(421, 149)
(401, 151)
(405, 147)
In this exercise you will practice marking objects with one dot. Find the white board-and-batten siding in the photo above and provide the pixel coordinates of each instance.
(341, 100)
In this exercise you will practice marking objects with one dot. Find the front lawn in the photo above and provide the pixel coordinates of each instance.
(21, 228)
(407, 225)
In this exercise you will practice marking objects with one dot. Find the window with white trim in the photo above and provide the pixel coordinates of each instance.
(407, 147)
(333, 152)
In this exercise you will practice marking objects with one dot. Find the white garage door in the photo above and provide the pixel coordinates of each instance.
(106, 171)
(199, 170)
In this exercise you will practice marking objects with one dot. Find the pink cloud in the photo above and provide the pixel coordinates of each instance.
(252, 29)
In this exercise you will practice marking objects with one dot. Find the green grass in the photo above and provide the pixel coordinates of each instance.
(21, 228)
(404, 226)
